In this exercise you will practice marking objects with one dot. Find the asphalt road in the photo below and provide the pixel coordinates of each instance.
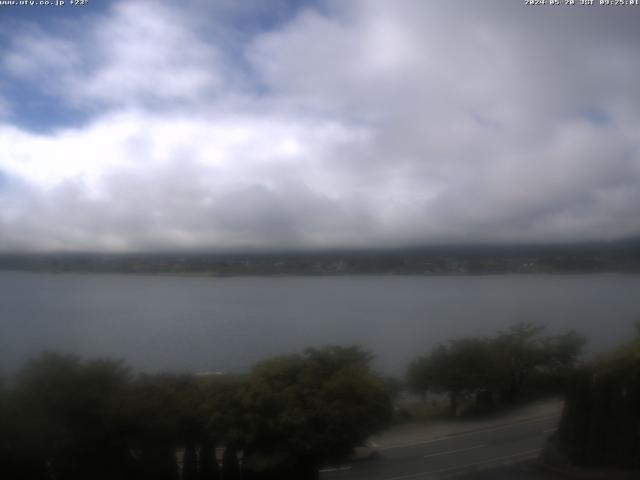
(491, 453)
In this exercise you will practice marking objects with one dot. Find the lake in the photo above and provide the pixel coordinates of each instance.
(226, 324)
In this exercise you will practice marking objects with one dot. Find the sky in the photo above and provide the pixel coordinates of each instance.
(129, 126)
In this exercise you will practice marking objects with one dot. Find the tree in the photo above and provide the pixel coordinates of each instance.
(222, 411)
(230, 464)
(69, 419)
(562, 351)
(209, 468)
(461, 367)
(504, 363)
(523, 352)
(166, 409)
(308, 409)
(8, 460)
(185, 413)
(599, 424)
(418, 377)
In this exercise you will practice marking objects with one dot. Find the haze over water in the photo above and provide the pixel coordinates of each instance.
(226, 324)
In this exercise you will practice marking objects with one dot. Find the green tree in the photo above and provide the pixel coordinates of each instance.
(502, 364)
(460, 368)
(230, 463)
(222, 410)
(523, 352)
(599, 424)
(69, 418)
(184, 413)
(308, 409)
(166, 420)
(418, 377)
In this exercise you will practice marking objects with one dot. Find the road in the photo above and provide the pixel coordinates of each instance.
(467, 453)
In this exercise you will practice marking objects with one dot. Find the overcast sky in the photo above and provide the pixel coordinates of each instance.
(163, 125)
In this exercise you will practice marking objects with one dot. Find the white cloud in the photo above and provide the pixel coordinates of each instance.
(492, 125)
(377, 125)
(137, 53)
(40, 56)
(134, 179)
(149, 54)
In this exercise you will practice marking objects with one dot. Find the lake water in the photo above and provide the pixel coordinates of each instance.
(202, 324)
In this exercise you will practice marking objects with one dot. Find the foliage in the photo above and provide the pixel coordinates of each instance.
(68, 420)
(307, 409)
(458, 368)
(71, 419)
(523, 352)
(418, 377)
(502, 364)
(599, 425)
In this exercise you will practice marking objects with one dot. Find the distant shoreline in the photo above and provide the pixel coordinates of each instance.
(613, 257)
(214, 275)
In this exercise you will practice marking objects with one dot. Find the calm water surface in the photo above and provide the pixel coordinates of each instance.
(191, 323)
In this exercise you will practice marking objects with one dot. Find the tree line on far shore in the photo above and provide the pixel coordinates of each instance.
(66, 418)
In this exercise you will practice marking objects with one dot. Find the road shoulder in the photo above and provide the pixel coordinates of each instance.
(416, 433)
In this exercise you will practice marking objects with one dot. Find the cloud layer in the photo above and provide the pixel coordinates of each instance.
(361, 123)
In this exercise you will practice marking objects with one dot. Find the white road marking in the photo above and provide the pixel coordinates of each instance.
(474, 432)
(469, 465)
(449, 452)
(336, 469)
